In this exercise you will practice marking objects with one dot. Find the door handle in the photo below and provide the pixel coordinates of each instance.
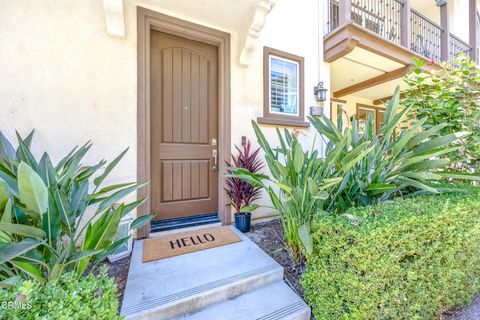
(215, 159)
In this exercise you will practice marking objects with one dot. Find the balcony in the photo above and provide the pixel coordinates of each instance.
(388, 20)
(374, 42)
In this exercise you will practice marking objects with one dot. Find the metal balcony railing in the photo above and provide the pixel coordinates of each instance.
(381, 17)
(457, 46)
(332, 17)
(426, 36)
(387, 18)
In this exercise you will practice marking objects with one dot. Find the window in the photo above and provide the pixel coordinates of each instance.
(283, 89)
(363, 114)
(380, 118)
(340, 111)
(283, 86)
(365, 111)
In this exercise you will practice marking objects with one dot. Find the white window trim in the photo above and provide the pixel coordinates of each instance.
(270, 56)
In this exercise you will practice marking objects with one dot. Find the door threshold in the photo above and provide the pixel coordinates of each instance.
(170, 226)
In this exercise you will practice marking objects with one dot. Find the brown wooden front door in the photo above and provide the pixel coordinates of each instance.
(183, 102)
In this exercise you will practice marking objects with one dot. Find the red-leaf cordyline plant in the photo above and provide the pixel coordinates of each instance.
(241, 192)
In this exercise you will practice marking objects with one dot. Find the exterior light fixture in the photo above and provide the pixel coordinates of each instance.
(441, 2)
(320, 92)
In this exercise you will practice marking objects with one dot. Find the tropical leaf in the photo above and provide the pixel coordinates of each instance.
(459, 175)
(141, 221)
(4, 193)
(298, 157)
(32, 191)
(79, 196)
(7, 151)
(23, 230)
(51, 222)
(9, 178)
(133, 205)
(83, 254)
(102, 237)
(439, 142)
(250, 208)
(88, 172)
(7, 212)
(117, 244)
(306, 237)
(426, 134)
(23, 151)
(10, 282)
(30, 270)
(417, 184)
(312, 186)
(102, 192)
(72, 165)
(16, 249)
(98, 181)
(47, 172)
(65, 210)
(380, 188)
(110, 200)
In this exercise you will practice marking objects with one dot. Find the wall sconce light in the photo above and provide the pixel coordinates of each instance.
(441, 2)
(320, 92)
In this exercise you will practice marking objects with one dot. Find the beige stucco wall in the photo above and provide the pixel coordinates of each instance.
(62, 74)
(459, 19)
(299, 36)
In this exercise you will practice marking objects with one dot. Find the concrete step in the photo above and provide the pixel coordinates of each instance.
(168, 288)
(276, 301)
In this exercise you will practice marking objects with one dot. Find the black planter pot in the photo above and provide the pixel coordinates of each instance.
(242, 221)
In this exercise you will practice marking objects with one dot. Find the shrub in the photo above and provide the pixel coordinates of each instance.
(450, 96)
(393, 161)
(42, 234)
(90, 297)
(358, 169)
(411, 259)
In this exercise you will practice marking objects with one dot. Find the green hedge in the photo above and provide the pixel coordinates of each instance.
(411, 259)
(91, 297)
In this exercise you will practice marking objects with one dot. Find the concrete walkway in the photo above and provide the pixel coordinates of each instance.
(236, 281)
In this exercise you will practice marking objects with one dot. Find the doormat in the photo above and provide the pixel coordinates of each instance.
(175, 245)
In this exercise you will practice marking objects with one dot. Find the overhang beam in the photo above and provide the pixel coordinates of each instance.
(385, 99)
(388, 76)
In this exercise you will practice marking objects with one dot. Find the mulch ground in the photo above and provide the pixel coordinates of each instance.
(119, 271)
(269, 236)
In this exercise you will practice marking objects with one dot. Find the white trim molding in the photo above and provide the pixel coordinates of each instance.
(259, 19)
(115, 18)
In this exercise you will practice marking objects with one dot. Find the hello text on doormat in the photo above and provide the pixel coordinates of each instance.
(175, 245)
